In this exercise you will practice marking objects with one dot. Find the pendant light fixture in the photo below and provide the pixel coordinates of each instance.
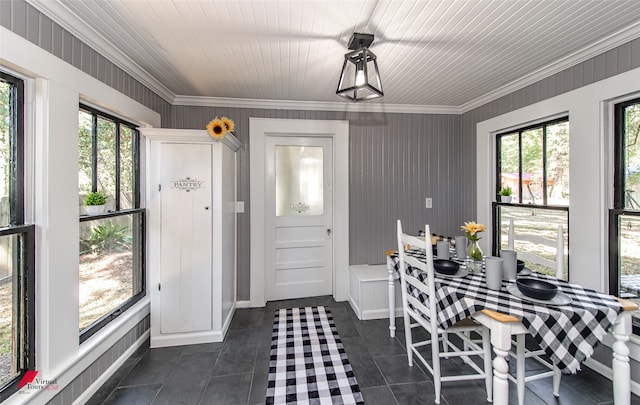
(360, 78)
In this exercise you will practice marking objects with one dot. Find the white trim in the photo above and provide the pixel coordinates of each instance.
(60, 14)
(314, 105)
(188, 135)
(339, 131)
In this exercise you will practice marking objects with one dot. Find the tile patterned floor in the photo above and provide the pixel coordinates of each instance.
(235, 371)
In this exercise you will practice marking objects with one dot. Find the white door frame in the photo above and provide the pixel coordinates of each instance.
(259, 129)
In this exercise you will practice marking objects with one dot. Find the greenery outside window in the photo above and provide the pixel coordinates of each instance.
(624, 218)
(17, 245)
(111, 244)
(533, 162)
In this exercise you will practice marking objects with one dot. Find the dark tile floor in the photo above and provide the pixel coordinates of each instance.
(235, 371)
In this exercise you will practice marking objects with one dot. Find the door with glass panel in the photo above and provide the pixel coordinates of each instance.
(298, 204)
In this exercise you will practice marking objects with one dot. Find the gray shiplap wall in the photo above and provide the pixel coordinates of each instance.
(24, 20)
(395, 161)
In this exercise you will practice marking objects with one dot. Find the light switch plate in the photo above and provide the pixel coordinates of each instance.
(239, 207)
(428, 203)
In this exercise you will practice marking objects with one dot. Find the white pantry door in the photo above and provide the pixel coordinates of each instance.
(185, 241)
(298, 217)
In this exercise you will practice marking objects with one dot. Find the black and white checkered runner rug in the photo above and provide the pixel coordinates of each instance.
(308, 364)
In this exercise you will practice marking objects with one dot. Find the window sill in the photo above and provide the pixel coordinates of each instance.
(108, 334)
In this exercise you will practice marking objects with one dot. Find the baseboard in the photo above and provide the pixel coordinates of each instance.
(189, 338)
(93, 388)
(243, 304)
(366, 315)
(227, 322)
(607, 372)
(354, 306)
(379, 314)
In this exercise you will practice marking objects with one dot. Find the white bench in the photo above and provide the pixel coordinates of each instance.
(369, 291)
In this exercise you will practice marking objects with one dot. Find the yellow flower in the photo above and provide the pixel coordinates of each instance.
(471, 229)
(216, 128)
(228, 124)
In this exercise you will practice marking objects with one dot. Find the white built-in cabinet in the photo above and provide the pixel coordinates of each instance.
(191, 233)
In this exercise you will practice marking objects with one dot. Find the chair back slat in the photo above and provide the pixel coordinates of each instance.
(420, 310)
(413, 285)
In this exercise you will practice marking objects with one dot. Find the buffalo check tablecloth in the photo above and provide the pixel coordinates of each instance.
(568, 334)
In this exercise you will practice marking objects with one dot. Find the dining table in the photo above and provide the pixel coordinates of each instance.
(568, 329)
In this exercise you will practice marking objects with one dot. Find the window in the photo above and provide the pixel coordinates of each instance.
(17, 245)
(111, 243)
(534, 163)
(624, 218)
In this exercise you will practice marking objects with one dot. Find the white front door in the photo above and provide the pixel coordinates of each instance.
(298, 215)
(185, 242)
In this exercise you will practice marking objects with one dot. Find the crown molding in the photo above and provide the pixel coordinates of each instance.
(601, 46)
(314, 105)
(61, 15)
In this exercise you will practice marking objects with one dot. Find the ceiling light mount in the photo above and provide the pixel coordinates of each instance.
(360, 77)
(359, 40)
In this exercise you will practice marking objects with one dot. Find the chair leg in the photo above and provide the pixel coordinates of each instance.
(520, 368)
(407, 336)
(445, 343)
(557, 374)
(488, 368)
(435, 356)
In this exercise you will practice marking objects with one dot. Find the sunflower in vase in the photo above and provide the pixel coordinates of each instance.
(471, 231)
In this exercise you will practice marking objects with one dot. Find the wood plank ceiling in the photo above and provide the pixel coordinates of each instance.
(438, 53)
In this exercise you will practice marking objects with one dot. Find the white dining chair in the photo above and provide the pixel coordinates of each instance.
(521, 353)
(423, 314)
(557, 245)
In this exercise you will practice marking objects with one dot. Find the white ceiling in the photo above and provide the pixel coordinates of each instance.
(430, 53)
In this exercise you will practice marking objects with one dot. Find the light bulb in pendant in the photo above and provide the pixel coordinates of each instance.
(360, 81)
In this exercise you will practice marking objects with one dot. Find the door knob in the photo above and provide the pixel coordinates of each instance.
(328, 231)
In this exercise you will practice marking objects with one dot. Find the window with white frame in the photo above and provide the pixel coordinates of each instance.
(532, 167)
(17, 245)
(111, 241)
(624, 218)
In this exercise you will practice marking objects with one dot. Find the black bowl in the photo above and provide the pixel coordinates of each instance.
(537, 289)
(445, 266)
(520, 265)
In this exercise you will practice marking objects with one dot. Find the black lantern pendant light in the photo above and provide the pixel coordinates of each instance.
(360, 78)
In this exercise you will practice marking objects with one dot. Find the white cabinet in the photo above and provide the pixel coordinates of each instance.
(191, 259)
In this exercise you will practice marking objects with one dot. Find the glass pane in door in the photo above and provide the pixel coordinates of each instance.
(299, 180)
